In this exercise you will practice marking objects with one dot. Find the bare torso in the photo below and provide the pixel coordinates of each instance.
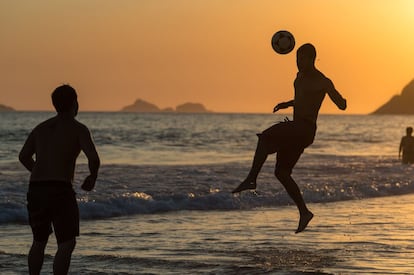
(310, 90)
(56, 143)
(407, 144)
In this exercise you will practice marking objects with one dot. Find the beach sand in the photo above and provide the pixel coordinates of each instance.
(370, 236)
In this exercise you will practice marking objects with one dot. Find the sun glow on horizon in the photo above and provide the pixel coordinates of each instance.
(213, 52)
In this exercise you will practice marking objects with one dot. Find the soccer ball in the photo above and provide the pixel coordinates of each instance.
(283, 42)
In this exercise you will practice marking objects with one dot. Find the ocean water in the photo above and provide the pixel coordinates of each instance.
(162, 204)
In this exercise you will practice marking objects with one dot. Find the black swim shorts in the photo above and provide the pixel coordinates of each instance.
(288, 139)
(53, 203)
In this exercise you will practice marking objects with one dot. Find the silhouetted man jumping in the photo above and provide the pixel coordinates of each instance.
(289, 139)
(56, 144)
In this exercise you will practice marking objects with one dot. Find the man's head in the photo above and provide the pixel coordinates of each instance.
(305, 57)
(409, 131)
(65, 99)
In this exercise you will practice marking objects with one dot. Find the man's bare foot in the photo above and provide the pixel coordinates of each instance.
(245, 185)
(303, 221)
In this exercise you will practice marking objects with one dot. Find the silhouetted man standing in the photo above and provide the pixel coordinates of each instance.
(56, 144)
(407, 147)
(288, 139)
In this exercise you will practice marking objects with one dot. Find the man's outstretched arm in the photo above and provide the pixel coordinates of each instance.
(336, 97)
(283, 105)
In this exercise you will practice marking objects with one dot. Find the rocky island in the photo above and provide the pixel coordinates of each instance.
(402, 104)
(142, 106)
(191, 108)
(4, 108)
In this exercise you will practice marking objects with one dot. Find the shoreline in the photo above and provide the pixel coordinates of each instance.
(347, 237)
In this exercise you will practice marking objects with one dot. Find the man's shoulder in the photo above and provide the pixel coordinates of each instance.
(314, 75)
(78, 123)
(324, 80)
(79, 127)
(407, 139)
(47, 123)
(82, 128)
(322, 76)
(55, 121)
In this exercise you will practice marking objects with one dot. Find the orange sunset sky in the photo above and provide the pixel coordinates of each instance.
(216, 52)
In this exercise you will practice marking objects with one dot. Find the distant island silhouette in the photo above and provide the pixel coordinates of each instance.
(142, 106)
(402, 104)
(4, 108)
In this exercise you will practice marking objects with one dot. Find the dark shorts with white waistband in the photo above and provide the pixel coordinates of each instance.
(53, 203)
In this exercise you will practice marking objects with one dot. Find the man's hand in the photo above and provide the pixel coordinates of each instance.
(342, 105)
(89, 183)
(283, 105)
(276, 108)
